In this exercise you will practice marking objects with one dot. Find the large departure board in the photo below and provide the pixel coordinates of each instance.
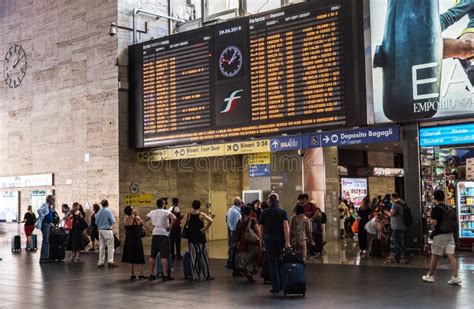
(293, 69)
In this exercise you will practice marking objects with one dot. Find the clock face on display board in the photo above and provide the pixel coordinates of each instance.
(14, 66)
(230, 61)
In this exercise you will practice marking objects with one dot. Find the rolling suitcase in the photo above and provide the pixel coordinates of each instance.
(376, 249)
(187, 270)
(293, 279)
(16, 243)
(34, 242)
(57, 244)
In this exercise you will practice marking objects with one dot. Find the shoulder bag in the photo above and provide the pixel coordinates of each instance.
(249, 235)
(185, 233)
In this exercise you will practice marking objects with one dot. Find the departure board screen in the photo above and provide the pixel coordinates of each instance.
(287, 70)
(176, 85)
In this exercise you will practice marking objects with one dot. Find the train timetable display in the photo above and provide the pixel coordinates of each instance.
(176, 85)
(296, 64)
(289, 70)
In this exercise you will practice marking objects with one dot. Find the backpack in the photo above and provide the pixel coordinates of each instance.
(324, 218)
(407, 217)
(449, 223)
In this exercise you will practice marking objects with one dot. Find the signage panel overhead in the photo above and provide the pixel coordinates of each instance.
(360, 136)
(459, 134)
(287, 70)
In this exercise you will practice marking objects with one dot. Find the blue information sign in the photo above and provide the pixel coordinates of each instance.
(458, 134)
(259, 170)
(352, 137)
(284, 143)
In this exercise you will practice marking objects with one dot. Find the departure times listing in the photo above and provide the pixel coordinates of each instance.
(296, 64)
(294, 69)
(176, 85)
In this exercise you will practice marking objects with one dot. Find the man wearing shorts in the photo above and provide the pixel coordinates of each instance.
(162, 221)
(443, 241)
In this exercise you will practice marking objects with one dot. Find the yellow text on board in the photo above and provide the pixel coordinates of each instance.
(259, 158)
(137, 200)
(247, 147)
(197, 152)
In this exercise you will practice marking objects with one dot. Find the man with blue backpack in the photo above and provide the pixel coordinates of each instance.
(43, 223)
(444, 220)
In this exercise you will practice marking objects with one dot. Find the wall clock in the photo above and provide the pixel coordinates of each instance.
(14, 66)
(230, 61)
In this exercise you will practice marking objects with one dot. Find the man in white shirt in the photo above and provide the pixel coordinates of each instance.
(162, 221)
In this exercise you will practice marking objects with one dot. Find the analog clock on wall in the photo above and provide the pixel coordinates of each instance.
(230, 61)
(14, 66)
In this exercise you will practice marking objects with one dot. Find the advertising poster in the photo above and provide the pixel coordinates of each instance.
(354, 190)
(420, 59)
(9, 204)
(38, 198)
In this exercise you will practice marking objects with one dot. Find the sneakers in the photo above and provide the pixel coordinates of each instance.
(455, 280)
(452, 281)
(112, 265)
(100, 265)
(428, 278)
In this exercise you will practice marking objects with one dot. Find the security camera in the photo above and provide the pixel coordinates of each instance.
(113, 29)
(301, 152)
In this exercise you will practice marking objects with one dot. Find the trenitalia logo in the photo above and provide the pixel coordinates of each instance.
(231, 101)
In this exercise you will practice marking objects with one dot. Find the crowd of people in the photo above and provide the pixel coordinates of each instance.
(257, 234)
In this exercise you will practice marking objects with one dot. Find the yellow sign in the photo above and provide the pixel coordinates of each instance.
(204, 151)
(197, 152)
(247, 147)
(155, 155)
(259, 158)
(139, 200)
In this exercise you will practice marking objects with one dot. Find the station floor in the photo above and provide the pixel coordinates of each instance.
(24, 283)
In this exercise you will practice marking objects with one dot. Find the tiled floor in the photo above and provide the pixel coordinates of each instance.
(26, 284)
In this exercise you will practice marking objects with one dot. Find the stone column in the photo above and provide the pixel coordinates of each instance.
(321, 182)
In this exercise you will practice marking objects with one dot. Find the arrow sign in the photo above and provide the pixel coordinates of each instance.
(360, 136)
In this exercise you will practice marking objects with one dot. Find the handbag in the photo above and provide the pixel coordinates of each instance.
(68, 223)
(249, 235)
(185, 233)
(141, 228)
(355, 227)
(116, 242)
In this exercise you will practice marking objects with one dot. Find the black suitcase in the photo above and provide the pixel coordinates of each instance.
(57, 244)
(376, 249)
(16, 243)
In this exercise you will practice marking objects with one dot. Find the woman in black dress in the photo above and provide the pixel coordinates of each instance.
(76, 241)
(364, 214)
(133, 247)
(93, 228)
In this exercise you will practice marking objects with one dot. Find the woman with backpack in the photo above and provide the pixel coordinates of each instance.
(196, 234)
(249, 244)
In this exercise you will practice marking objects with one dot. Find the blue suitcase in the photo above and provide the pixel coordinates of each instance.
(293, 279)
(187, 270)
(34, 242)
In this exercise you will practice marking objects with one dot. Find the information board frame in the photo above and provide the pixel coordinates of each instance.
(354, 84)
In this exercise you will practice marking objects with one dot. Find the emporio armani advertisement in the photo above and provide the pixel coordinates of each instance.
(232, 98)
(421, 57)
